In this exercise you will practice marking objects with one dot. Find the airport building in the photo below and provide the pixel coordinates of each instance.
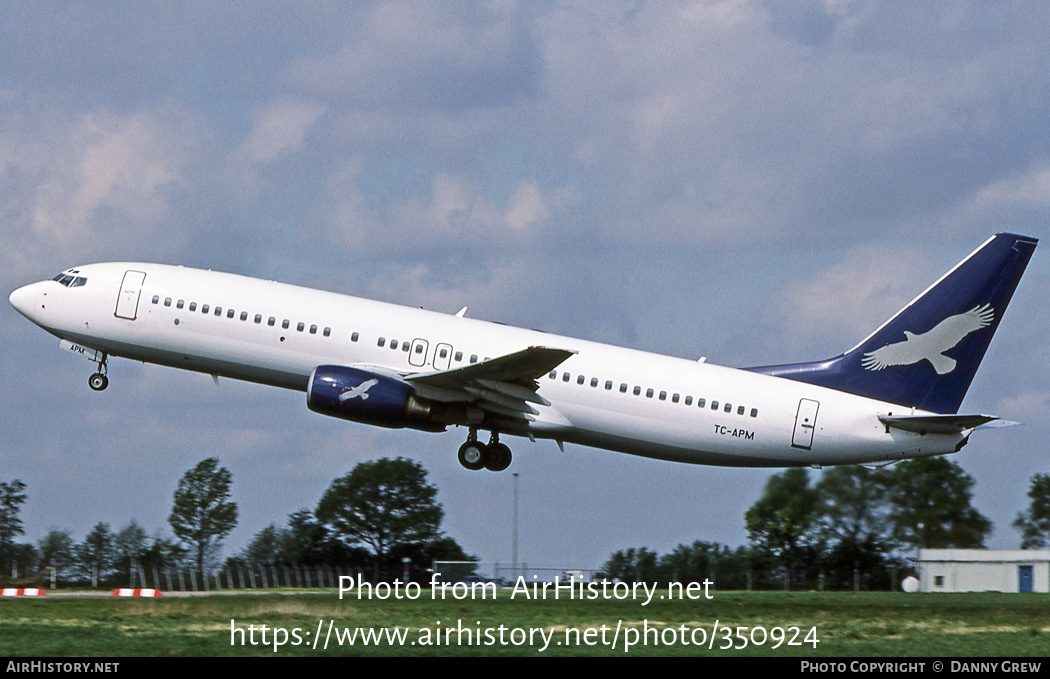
(984, 570)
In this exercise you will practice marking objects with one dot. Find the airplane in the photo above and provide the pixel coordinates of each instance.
(895, 395)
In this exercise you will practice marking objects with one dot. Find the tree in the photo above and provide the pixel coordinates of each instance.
(162, 552)
(632, 565)
(56, 551)
(129, 545)
(702, 561)
(1034, 522)
(931, 505)
(386, 505)
(12, 495)
(265, 547)
(96, 552)
(203, 514)
(782, 522)
(853, 523)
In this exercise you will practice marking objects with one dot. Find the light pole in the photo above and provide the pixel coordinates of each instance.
(514, 541)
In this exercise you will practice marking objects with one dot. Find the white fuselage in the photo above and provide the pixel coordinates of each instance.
(603, 396)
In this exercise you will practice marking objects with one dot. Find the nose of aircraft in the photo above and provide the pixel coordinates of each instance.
(24, 299)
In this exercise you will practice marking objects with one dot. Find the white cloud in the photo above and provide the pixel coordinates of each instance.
(1033, 406)
(453, 215)
(846, 301)
(1029, 189)
(98, 181)
(279, 128)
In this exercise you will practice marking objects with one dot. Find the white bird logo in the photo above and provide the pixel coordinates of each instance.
(360, 390)
(931, 345)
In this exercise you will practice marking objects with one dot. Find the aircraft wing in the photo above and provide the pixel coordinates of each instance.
(504, 385)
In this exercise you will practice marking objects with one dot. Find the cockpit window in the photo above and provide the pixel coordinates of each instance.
(70, 280)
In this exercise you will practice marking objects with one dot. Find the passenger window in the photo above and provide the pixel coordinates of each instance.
(701, 403)
(594, 381)
(728, 408)
(156, 299)
(581, 379)
(327, 332)
(565, 377)
(473, 358)
(648, 393)
(382, 342)
(419, 348)
(608, 385)
(204, 309)
(393, 344)
(244, 315)
(167, 301)
(300, 326)
(674, 399)
(554, 374)
(637, 391)
(444, 353)
(313, 328)
(230, 313)
(623, 387)
(258, 319)
(218, 311)
(193, 306)
(404, 347)
(459, 356)
(740, 410)
(355, 336)
(714, 405)
(754, 412)
(285, 323)
(271, 321)
(663, 395)
(180, 304)
(689, 400)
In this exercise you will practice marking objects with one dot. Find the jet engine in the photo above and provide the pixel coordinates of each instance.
(371, 398)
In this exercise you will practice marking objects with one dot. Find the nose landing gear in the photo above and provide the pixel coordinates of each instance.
(474, 455)
(99, 381)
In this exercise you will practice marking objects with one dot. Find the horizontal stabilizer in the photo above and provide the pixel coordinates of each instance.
(936, 424)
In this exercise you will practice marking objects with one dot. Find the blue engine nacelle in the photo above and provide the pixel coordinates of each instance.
(363, 396)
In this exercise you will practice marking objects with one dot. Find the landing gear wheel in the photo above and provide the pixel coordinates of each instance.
(498, 457)
(98, 382)
(472, 455)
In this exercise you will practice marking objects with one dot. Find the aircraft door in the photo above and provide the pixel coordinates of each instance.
(442, 356)
(805, 424)
(128, 299)
(417, 356)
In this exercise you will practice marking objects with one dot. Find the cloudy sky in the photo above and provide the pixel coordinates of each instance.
(751, 182)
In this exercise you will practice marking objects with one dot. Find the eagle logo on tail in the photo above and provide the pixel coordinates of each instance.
(932, 344)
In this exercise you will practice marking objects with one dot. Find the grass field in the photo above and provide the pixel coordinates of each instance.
(846, 624)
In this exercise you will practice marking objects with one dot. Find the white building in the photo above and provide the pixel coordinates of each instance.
(983, 570)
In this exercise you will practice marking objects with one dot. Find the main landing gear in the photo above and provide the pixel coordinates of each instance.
(99, 381)
(475, 455)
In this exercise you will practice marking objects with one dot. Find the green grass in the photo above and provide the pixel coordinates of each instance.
(847, 624)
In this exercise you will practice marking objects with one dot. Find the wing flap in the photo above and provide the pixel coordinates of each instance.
(503, 386)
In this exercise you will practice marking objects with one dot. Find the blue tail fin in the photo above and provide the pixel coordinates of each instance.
(926, 356)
